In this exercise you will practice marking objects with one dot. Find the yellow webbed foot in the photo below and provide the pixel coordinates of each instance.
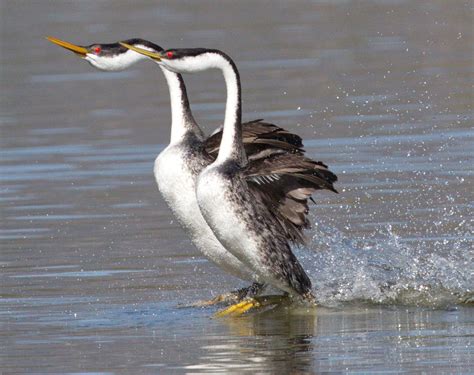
(238, 308)
(251, 303)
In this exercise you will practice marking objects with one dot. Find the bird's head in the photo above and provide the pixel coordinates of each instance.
(183, 60)
(110, 56)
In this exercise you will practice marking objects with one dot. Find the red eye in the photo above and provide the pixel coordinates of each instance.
(97, 49)
(170, 55)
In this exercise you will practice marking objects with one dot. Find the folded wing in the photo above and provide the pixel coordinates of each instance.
(260, 139)
(279, 174)
(285, 182)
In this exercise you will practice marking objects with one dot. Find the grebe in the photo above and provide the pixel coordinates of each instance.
(177, 167)
(232, 193)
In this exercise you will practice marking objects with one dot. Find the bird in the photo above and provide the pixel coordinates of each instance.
(256, 210)
(177, 167)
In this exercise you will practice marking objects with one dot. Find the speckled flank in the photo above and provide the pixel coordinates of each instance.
(274, 251)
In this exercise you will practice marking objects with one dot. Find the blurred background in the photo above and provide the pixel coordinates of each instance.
(92, 262)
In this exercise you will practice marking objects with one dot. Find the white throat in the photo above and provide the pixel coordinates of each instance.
(182, 120)
(116, 62)
(231, 145)
(231, 136)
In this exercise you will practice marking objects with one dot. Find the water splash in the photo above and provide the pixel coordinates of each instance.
(387, 270)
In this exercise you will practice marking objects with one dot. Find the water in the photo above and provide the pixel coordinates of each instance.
(93, 263)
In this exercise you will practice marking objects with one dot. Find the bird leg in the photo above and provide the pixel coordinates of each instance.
(232, 297)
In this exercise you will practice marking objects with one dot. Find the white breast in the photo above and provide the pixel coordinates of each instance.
(177, 183)
(222, 216)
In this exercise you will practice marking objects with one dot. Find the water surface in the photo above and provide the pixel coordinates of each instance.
(94, 264)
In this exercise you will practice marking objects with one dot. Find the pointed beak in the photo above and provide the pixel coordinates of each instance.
(154, 55)
(78, 50)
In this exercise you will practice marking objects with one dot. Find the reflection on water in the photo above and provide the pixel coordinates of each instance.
(93, 263)
(277, 341)
(287, 341)
(273, 342)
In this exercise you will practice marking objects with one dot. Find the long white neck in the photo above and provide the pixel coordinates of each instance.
(200, 59)
(231, 147)
(182, 120)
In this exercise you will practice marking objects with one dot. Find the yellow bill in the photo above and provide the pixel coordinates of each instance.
(81, 51)
(153, 55)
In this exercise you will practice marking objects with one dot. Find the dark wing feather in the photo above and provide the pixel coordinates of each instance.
(285, 182)
(260, 139)
(278, 174)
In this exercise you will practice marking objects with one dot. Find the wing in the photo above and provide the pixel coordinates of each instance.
(279, 174)
(260, 138)
(285, 182)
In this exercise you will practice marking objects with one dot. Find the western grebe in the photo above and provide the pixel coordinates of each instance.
(177, 167)
(232, 194)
